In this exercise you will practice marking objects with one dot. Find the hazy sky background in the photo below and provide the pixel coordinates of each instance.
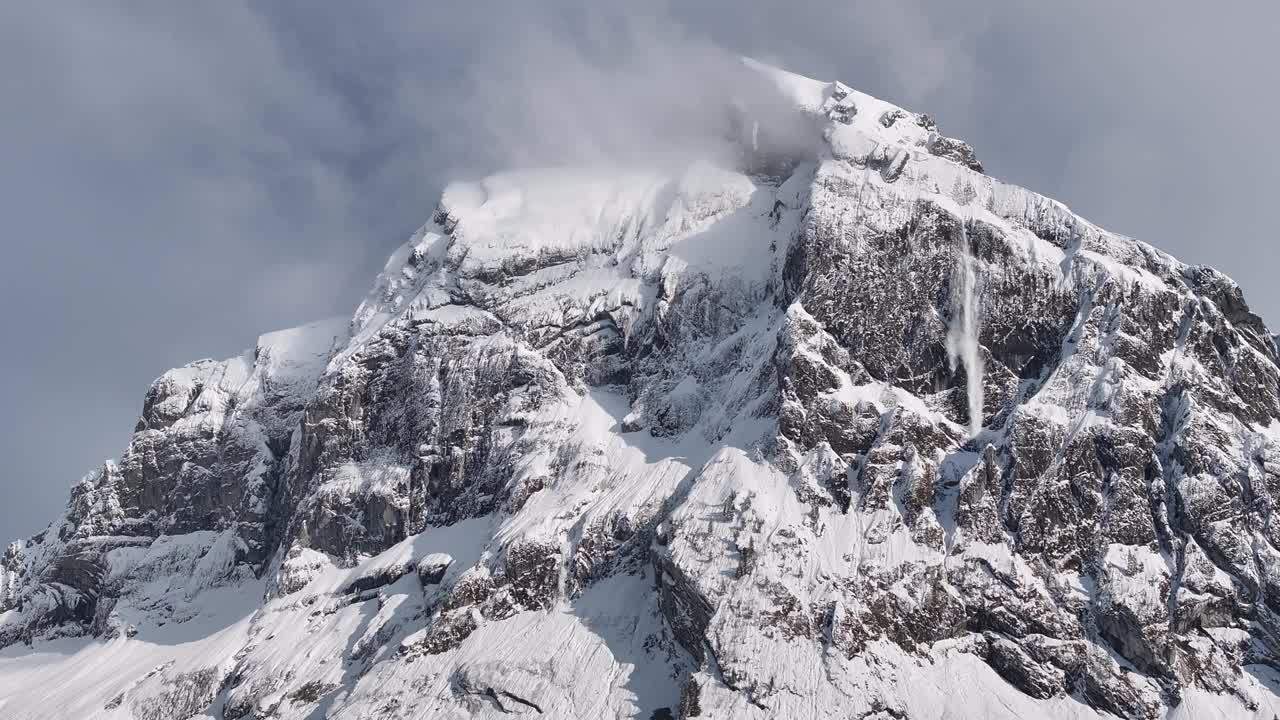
(177, 177)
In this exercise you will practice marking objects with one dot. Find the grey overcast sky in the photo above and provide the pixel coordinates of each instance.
(178, 176)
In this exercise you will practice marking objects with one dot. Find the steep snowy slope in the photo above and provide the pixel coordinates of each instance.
(848, 430)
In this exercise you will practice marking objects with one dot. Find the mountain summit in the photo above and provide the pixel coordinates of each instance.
(842, 429)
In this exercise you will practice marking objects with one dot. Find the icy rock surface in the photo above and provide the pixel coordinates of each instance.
(861, 433)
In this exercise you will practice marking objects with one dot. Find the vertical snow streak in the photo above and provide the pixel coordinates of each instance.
(962, 336)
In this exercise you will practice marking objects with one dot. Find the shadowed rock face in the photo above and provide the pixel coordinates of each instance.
(738, 390)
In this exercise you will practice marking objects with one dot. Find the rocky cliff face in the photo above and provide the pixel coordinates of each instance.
(856, 432)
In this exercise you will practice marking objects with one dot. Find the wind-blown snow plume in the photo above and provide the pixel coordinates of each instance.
(634, 90)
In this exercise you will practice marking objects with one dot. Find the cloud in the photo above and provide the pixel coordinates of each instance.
(551, 84)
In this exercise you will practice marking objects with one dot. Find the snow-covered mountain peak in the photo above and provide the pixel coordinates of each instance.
(822, 429)
(862, 128)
